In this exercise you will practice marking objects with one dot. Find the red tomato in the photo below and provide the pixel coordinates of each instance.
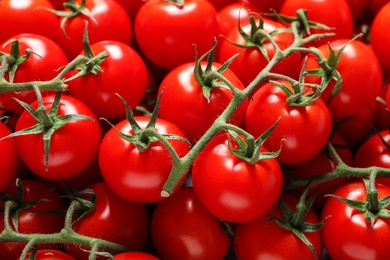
(131, 7)
(73, 147)
(182, 228)
(305, 130)
(51, 254)
(383, 116)
(112, 23)
(192, 112)
(58, 4)
(99, 91)
(9, 158)
(376, 5)
(333, 13)
(113, 219)
(265, 5)
(347, 234)
(251, 61)
(30, 221)
(135, 255)
(135, 175)
(358, 7)
(231, 188)
(26, 16)
(361, 80)
(373, 152)
(219, 4)
(260, 239)
(166, 32)
(41, 66)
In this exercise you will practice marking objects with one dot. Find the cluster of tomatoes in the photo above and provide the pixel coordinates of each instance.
(80, 78)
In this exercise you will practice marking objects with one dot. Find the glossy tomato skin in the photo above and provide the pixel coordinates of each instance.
(135, 255)
(305, 130)
(29, 220)
(51, 254)
(333, 13)
(346, 233)
(182, 228)
(175, 30)
(231, 188)
(73, 147)
(251, 61)
(124, 73)
(134, 175)
(41, 66)
(112, 23)
(27, 16)
(260, 239)
(113, 219)
(378, 39)
(361, 80)
(192, 112)
(9, 158)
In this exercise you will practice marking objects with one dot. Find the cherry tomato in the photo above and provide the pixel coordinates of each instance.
(231, 188)
(135, 255)
(265, 5)
(9, 161)
(182, 228)
(166, 32)
(51, 254)
(383, 116)
(358, 7)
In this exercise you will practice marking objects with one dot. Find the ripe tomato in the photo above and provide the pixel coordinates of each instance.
(260, 239)
(347, 234)
(113, 219)
(182, 228)
(41, 66)
(219, 4)
(376, 5)
(305, 130)
(112, 23)
(73, 147)
(383, 116)
(9, 158)
(335, 14)
(33, 219)
(358, 7)
(124, 73)
(51, 254)
(26, 16)
(265, 5)
(361, 80)
(251, 61)
(136, 175)
(192, 112)
(231, 188)
(135, 255)
(166, 32)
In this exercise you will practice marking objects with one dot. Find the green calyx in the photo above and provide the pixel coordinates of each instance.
(47, 122)
(178, 3)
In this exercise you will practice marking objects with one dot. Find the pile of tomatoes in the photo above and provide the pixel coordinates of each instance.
(190, 132)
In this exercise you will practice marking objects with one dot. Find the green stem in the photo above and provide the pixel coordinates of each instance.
(372, 194)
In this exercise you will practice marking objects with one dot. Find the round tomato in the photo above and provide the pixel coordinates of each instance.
(383, 116)
(302, 132)
(264, 239)
(123, 72)
(166, 32)
(51, 254)
(113, 219)
(136, 175)
(41, 65)
(181, 223)
(193, 113)
(361, 81)
(135, 255)
(347, 234)
(33, 219)
(73, 147)
(110, 22)
(231, 188)
(335, 14)
(27, 16)
(9, 158)
(358, 7)
(265, 5)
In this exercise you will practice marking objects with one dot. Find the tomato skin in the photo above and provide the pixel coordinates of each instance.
(358, 7)
(361, 80)
(305, 130)
(114, 219)
(134, 175)
(231, 188)
(43, 66)
(50, 254)
(73, 147)
(333, 13)
(346, 233)
(31, 222)
(135, 255)
(181, 223)
(174, 30)
(112, 23)
(260, 239)
(26, 16)
(9, 158)
(192, 112)
(266, 5)
(124, 73)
